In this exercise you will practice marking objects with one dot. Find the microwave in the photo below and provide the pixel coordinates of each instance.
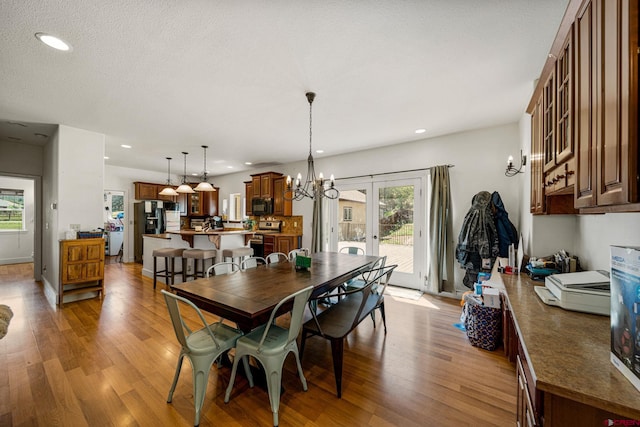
(261, 206)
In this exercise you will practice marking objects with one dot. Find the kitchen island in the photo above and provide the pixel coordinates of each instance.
(190, 239)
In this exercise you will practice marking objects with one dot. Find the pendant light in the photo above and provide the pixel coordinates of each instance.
(168, 190)
(184, 187)
(204, 185)
(313, 187)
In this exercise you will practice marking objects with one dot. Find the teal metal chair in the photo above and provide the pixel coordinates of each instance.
(202, 347)
(270, 344)
(352, 250)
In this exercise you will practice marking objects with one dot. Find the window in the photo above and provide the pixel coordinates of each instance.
(11, 209)
(347, 213)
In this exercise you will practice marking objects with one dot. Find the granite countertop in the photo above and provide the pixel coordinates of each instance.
(210, 232)
(569, 352)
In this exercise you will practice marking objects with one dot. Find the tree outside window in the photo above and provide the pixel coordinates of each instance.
(11, 209)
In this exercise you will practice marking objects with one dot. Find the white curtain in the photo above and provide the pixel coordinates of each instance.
(440, 233)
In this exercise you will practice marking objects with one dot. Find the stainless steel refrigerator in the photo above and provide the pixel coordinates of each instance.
(153, 217)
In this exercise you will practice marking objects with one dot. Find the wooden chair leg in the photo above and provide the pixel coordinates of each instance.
(184, 269)
(170, 276)
(337, 350)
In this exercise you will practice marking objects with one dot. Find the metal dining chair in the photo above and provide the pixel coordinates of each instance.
(295, 252)
(252, 262)
(338, 320)
(275, 257)
(223, 268)
(352, 250)
(270, 344)
(202, 347)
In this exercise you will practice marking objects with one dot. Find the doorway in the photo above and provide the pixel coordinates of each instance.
(385, 216)
(114, 224)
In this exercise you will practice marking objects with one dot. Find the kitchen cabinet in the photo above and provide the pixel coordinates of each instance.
(281, 206)
(248, 195)
(203, 203)
(146, 191)
(263, 184)
(585, 113)
(537, 175)
(279, 243)
(607, 143)
(81, 267)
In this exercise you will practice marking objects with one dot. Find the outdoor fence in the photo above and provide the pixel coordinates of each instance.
(392, 234)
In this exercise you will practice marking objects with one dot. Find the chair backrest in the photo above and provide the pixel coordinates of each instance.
(223, 268)
(252, 262)
(300, 299)
(294, 253)
(180, 328)
(274, 257)
(378, 280)
(352, 250)
(380, 262)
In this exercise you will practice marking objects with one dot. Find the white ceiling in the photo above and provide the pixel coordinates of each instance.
(170, 76)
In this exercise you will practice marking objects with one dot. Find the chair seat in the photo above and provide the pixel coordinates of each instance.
(337, 320)
(168, 252)
(275, 341)
(237, 252)
(199, 253)
(200, 342)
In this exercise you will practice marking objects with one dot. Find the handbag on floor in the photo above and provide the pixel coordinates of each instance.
(483, 325)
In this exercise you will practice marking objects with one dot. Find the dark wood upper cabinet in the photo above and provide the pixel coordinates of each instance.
(585, 111)
(608, 99)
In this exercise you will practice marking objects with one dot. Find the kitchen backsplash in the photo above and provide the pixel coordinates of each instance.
(290, 224)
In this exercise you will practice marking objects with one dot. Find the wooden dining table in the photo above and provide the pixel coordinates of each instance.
(247, 297)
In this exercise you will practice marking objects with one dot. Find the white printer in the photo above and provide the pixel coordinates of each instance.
(586, 291)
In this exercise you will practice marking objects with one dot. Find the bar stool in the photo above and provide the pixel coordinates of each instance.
(196, 255)
(168, 274)
(239, 253)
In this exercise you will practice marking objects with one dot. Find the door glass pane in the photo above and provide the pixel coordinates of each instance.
(395, 226)
(352, 218)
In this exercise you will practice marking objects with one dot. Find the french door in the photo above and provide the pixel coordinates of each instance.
(384, 215)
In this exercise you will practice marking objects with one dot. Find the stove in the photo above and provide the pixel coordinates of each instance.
(264, 227)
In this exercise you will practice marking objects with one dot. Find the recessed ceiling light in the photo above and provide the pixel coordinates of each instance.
(125, 146)
(319, 151)
(194, 174)
(421, 130)
(53, 42)
(229, 167)
(106, 157)
(248, 163)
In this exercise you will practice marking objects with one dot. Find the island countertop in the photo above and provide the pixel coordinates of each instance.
(214, 236)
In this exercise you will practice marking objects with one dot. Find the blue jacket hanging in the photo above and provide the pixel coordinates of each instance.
(507, 232)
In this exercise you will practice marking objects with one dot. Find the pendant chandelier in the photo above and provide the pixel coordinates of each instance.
(168, 190)
(184, 187)
(313, 187)
(204, 185)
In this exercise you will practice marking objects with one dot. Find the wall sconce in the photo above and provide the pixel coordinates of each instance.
(511, 170)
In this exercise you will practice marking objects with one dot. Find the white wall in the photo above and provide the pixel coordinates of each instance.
(18, 246)
(479, 158)
(21, 159)
(73, 191)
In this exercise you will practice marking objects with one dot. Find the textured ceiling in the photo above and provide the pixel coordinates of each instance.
(170, 76)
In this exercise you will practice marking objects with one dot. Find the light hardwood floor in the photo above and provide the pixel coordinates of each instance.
(110, 362)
